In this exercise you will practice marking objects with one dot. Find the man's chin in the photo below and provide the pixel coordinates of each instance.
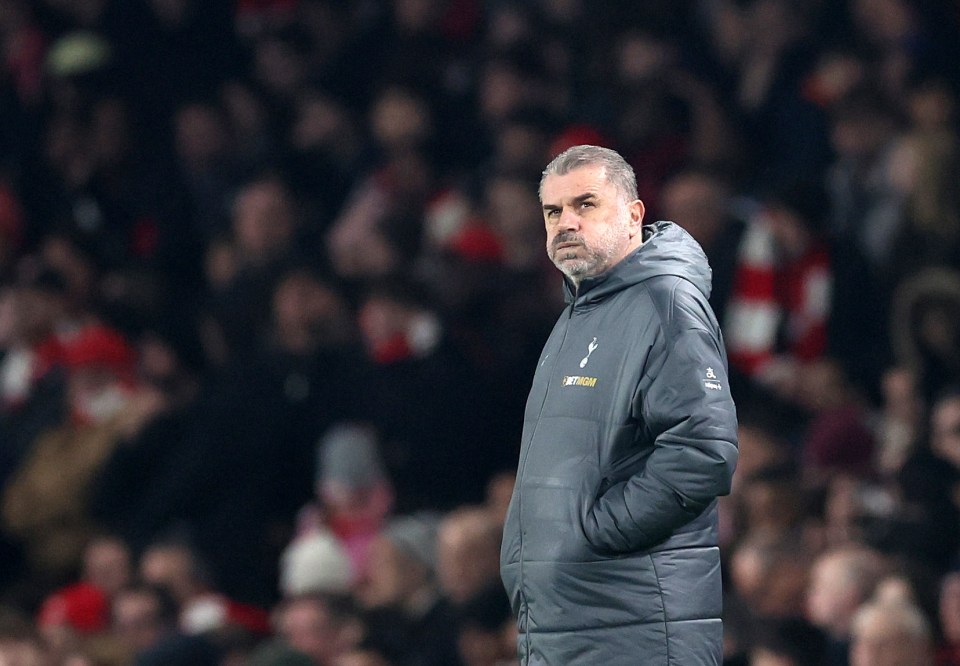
(575, 269)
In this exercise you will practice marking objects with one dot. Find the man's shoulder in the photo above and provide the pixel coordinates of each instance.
(678, 301)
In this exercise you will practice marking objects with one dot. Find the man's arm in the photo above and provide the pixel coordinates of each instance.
(689, 408)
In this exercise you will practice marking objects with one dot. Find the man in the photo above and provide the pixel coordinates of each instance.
(610, 544)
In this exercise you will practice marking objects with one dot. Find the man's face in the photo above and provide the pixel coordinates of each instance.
(589, 224)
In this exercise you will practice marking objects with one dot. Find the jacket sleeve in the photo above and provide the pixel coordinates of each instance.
(688, 410)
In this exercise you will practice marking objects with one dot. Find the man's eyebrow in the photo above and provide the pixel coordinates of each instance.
(576, 200)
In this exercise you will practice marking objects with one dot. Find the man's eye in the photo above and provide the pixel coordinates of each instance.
(586, 204)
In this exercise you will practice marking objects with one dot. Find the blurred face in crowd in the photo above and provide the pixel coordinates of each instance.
(307, 313)
(839, 583)
(468, 554)
(590, 225)
(263, 221)
(136, 619)
(307, 625)
(949, 608)
(889, 635)
(697, 203)
(400, 119)
(106, 564)
(502, 91)
(30, 314)
(945, 430)
(392, 576)
(201, 136)
(171, 567)
(510, 206)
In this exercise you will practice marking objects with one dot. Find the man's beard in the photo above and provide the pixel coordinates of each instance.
(586, 260)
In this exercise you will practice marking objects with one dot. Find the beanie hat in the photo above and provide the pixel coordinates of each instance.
(416, 536)
(315, 562)
(348, 454)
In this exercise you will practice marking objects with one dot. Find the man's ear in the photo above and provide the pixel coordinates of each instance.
(637, 211)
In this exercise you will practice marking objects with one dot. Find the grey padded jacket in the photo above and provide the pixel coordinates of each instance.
(610, 550)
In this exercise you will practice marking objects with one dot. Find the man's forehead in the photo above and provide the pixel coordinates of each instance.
(582, 180)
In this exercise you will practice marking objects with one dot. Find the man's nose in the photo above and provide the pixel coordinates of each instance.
(569, 220)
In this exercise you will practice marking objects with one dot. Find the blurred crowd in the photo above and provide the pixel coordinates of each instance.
(273, 285)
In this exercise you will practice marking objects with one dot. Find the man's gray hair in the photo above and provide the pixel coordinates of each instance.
(615, 168)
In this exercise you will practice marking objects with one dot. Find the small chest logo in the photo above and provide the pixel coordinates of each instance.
(574, 380)
(592, 346)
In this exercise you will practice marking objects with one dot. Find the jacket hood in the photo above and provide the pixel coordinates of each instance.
(667, 250)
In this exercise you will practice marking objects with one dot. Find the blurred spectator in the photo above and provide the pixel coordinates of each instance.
(773, 502)
(379, 226)
(468, 553)
(144, 620)
(176, 567)
(210, 455)
(890, 634)
(796, 297)
(407, 618)
(315, 563)
(142, 487)
(701, 203)
(46, 503)
(422, 396)
(948, 620)
(924, 329)
(264, 227)
(206, 166)
(33, 387)
(322, 627)
(865, 209)
(354, 494)
(841, 581)
(107, 564)
(924, 165)
(78, 612)
(770, 574)
(927, 484)
(765, 48)
(900, 422)
(839, 437)
(326, 153)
